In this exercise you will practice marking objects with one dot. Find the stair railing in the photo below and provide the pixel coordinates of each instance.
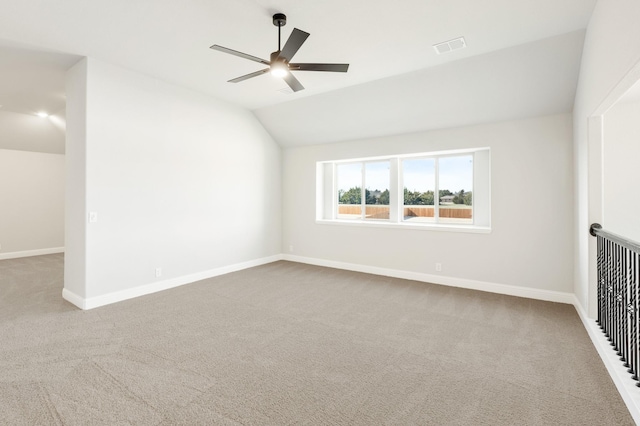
(618, 295)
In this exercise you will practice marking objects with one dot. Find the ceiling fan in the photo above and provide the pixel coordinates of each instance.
(280, 61)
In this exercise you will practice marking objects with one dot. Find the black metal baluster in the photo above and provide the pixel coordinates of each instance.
(614, 287)
(624, 343)
(633, 306)
(636, 322)
(616, 318)
(618, 294)
(612, 294)
(609, 290)
(619, 301)
(600, 254)
(610, 304)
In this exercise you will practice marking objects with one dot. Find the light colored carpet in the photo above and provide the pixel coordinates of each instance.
(288, 343)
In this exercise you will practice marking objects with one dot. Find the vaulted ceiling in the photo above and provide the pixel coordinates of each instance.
(522, 58)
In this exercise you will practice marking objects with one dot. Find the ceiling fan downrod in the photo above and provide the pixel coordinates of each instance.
(279, 20)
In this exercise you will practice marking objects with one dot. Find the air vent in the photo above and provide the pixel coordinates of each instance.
(450, 46)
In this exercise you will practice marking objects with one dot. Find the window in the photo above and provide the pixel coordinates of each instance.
(427, 190)
(419, 182)
(349, 179)
(373, 204)
(450, 177)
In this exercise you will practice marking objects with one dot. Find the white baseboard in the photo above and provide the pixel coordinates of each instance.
(119, 296)
(629, 392)
(73, 298)
(511, 290)
(29, 253)
(106, 299)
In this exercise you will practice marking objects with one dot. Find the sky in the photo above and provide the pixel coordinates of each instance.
(456, 173)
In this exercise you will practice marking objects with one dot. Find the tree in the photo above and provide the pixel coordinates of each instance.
(426, 198)
(384, 198)
(463, 197)
(468, 198)
(416, 198)
(410, 198)
(459, 197)
(444, 192)
(369, 197)
(352, 196)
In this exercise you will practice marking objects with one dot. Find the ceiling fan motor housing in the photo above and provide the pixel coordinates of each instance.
(274, 57)
(279, 20)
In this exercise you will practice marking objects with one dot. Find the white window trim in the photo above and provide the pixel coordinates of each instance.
(474, 229)
(326, 202)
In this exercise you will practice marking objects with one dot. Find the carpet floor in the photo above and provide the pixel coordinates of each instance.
(289, 343)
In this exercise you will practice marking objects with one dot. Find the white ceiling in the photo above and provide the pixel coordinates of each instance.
(385, 45)
(633, 94)
(533, 79)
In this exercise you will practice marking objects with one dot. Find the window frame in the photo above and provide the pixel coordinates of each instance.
(363, 190)
(327, 204)
(436, 190)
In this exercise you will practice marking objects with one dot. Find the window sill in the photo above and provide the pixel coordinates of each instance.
(473, 229)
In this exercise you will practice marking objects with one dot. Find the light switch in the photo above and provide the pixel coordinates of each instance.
(93, 217)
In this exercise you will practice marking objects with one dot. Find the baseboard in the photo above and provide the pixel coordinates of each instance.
(629, 392)
(73, 298)
(530, 293)
(119, 296)
(29, 253)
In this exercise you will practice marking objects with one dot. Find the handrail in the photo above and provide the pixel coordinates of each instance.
(619, 295)
(596, 229)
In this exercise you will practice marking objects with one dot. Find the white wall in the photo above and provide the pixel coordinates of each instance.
(31, 202)
(75, 235)
(621, 174)
(531, 240)
(26, 132)
(179, 180)
(611, 49)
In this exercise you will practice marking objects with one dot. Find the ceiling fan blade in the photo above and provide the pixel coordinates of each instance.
(293, 82)
(292, 45)
(319, 67)
(248, 76)
(240, 54)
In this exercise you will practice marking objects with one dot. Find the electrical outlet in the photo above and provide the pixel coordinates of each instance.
(158, 272)
(291, 248)
(438, 267)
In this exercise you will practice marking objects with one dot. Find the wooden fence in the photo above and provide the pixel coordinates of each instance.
(372, 212)
(458, 211)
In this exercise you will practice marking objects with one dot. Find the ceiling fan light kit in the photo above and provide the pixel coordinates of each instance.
(280, 61)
